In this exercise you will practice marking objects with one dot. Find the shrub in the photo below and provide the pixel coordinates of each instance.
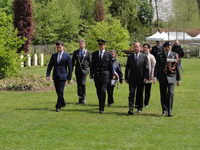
(9, 43)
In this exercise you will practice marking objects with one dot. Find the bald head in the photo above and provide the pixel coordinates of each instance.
(176, 42)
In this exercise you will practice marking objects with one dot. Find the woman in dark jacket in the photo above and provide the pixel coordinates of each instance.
(118, 75)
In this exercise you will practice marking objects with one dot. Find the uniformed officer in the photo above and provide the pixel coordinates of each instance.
(157, 49)
(167, 71)
(102, 72)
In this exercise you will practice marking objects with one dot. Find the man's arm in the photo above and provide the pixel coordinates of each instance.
(127, 70)
(49, 68)
(69, 65)
(146, 69)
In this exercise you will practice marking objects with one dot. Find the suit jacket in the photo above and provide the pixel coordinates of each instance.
(162, 73)
(135, 73)
(102, 69)
(82, 66)
(155, 50)
(61, 68)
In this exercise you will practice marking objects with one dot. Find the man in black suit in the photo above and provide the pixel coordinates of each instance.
(136, 74)
(82, 59)
(102, 72)
(60, 61)
(157, 49)
(167, 71)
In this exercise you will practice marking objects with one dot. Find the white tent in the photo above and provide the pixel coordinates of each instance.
(165, 35)
(154, 37)
(197, 38)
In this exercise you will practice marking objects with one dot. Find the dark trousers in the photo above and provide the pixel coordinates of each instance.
(139, 95)
(59, 86)
(101, 93)
(81, 82)
(167, 96)
(147, 93)
(110, 90)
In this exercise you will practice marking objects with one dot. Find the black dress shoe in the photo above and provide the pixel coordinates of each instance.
(79, 103)
(63, 105)
(101, 112)
(57, 109)
(165, 113)
(110, 105)
(170, 115)
(130, 112)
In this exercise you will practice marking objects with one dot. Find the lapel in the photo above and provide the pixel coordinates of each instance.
(63, 55)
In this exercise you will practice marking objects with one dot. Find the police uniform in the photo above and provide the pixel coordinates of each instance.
(167, 71)
(101, 71)
(156, 49)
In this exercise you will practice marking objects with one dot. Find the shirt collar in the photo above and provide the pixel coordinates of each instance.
(60, 53)
(137, 54)
(102, 51)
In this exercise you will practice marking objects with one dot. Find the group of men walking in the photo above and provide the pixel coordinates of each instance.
(141, 70)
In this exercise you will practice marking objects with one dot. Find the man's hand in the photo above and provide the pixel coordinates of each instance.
(69, 81)
(144, 80)
(154, 81)
(48, 79)
(178, 83)
(126, 81)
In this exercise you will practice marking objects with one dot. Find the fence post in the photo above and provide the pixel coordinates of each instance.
(41, 59)
(35, 60)
(22, 63)
(29, 60)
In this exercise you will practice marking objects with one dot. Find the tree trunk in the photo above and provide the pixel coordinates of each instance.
(198, 1)
(152, 16)
(157, 15)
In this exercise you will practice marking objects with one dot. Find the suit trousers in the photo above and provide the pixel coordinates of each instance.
(139, 96)
(101, 93)
(59, 86)
(167, 97)
(147, 93)
(110, 90)
(81, 85)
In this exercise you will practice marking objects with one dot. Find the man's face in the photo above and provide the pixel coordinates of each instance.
(102, 47)
(59, 48)
(177, 43)
(82, 45)
(167, 48)
(113, 55)
(137, 48)
(158, 43)
(146, 49)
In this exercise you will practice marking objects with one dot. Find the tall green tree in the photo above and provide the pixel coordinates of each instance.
(6, 6)
(116, 36)
(9, 44)
(56, 20)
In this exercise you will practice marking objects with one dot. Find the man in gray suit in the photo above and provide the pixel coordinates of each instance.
(82, 60)
(167, 71)
(136, 74)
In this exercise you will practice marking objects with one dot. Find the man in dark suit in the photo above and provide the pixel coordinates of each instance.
(167, 71)
(136, 74)
(157, 49)
(102, 72)
(60, 61)
(82, 60)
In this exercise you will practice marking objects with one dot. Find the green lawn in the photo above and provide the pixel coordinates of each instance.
(28, 120)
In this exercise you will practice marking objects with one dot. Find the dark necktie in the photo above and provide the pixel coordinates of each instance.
(100, 55)
(136, 57)
(59, 58)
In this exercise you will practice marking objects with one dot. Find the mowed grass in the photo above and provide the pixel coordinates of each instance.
(28, 120)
